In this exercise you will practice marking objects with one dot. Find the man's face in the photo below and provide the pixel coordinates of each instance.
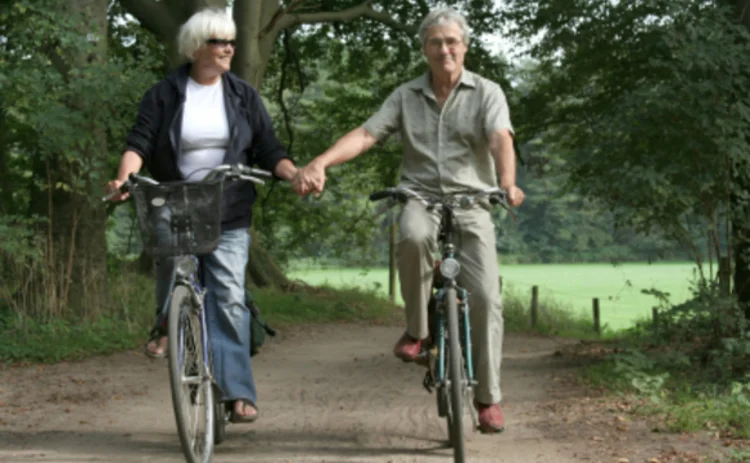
(444, 48)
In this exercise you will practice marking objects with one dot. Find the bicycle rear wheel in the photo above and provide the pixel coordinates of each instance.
(455, 374)
(192, 392)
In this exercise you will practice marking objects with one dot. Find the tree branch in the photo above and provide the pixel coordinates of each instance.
(363, 10)
(279, 14)
(154, 16)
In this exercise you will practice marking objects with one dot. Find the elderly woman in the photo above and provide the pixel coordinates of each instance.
(197, 118)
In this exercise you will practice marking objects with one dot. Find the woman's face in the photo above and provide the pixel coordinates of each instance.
(216, 55)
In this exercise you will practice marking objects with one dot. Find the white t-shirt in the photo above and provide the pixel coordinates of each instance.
(205, 130)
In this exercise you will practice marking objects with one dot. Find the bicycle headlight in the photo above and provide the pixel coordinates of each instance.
(186, 266)
(449, 268)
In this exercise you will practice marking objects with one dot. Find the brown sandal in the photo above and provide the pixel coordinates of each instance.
(243, 418)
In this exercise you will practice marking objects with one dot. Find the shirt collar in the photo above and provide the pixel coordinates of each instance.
(467, 79)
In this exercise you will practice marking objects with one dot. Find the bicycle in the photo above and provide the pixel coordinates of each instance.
(448, 353)
(183, 220)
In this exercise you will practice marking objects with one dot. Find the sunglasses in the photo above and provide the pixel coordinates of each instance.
(222, 42)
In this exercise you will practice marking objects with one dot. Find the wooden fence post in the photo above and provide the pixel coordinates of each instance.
(597, 319)
(534, 305)
(655, 316)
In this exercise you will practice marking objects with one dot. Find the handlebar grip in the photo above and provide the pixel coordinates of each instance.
(124, 188)
(260, 172)
(497, 198)
(378, 195)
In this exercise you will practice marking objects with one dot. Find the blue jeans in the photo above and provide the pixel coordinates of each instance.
(227, 317)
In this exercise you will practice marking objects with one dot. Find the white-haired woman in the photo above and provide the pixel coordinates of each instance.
(198, 117)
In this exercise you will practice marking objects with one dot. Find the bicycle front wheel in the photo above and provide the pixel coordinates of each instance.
(192, 393)
(456, 376)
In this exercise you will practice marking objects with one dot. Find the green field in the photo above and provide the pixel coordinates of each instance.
(572, 285)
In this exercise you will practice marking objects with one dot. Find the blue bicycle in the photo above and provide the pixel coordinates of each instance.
(183, 220)
(447, 354)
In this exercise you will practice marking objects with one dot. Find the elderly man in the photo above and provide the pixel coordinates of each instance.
(457, 135)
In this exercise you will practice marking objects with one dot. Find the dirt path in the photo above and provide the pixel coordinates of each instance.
(331, 393)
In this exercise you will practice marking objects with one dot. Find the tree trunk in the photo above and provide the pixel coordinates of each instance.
(76, 247)
(740, 212)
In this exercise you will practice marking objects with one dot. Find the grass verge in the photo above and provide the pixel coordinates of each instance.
(126, 322)
(673, 399)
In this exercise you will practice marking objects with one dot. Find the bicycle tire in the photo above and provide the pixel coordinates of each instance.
(456, 413)
(196, 446)
(220, 418)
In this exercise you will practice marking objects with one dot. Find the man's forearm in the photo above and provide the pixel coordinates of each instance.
(130, 163)
(347, 147)
(501, 146)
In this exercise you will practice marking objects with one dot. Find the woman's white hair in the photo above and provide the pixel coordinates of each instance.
(203, 25)
(441, 16)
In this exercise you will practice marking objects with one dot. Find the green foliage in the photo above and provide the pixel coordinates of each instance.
(679, 403)
(323, 305)
(645, 102)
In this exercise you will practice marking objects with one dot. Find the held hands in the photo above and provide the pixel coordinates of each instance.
(310, 179)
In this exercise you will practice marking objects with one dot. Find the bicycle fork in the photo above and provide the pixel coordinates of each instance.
(436, 376)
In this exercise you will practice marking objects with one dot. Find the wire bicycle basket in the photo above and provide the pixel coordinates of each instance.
(179, 218)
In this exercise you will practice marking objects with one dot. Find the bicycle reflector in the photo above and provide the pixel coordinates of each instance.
(449, 268)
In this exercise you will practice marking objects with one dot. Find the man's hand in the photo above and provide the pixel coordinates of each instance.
(310, 179)
(515, 195)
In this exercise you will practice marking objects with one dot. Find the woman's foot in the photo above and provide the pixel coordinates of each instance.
(243, 411)
(157, 347)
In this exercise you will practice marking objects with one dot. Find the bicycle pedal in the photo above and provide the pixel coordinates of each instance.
(428, 382)
(423, 359)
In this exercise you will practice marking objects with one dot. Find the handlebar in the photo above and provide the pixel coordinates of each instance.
(224, 171)
(465, 199)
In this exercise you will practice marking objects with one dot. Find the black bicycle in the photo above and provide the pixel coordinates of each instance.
(183, 220)
(448, 352)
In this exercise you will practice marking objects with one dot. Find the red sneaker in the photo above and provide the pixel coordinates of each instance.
(491, 419)
(407, 348)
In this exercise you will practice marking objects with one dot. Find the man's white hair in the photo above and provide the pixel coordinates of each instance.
(441, 16)
(203, 25)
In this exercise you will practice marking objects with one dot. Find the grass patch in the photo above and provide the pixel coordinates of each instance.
(554, 318)
(323, 305)
(126, 322)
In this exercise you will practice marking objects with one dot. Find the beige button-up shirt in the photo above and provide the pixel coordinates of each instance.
(446, 150)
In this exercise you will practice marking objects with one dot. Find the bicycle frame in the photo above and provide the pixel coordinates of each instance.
(191, 278)
(445, 237)
(449, 357)
(190, 286)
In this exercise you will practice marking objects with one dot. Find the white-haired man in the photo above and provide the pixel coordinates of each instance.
(457, 135)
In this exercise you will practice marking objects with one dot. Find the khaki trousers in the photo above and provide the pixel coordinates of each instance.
(474, 237)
